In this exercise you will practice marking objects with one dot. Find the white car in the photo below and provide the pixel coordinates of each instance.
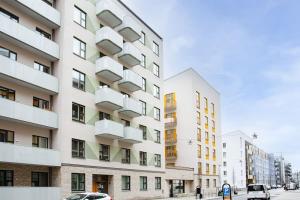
(257, 191)
(89, 196)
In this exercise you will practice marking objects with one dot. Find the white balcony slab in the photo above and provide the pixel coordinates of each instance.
(108, 98)
(130, 55)
(28, 39)
(30, 193)
(131, 107)
(130, 29)
(109, 129)
(131, 81)
(108, 12)
(109, 69)
(29, 155)
(17, 112)
(109, 40)
(27, 76)
(132, 135)
(38, 10)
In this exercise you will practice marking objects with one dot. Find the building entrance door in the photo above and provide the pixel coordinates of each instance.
(100, 183)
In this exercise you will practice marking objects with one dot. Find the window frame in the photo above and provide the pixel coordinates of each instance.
(144, 131)
(9, 53)
(143, 183)
(156, 70)
(6, 179)
(38, 179)
(127, 186)
(38, 141)
(83, 114)
(42, 103)
(80, 48)
(81, 13)
(79, 182)
(143, 158)
(143, 38)
(8, 93)
(10, 15)
(5, 133)
(157, 160)
(144, 107)
(79, 150)
(144, 84)
(156, 113)
(155, 48)
(104, 152)
(156, 91)
(158, 183)
(127, 154)
(79, 81)
(43, 33)
(158, 136)
(143, 61)
(47, 71)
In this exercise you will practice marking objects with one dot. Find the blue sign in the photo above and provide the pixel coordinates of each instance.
(226, 189)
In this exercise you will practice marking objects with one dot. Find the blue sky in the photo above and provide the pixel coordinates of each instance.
(249, 50)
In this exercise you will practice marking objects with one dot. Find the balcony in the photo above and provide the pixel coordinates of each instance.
(23, 37)
(109, 40)
(206, 125)
(132, 135)
(171, 141)
(109, 129)
(131, 81)
(32, 193)
(171, 107)
(213, 129)
(109, 69)
(131, 107)
(170, 123)
(108, 12)
(130, 55)
(207, 157)
(27, 76)
(38, 10)
(17, 112)
(108, 98)
(171, 156)
(130, 29)
(29, 155)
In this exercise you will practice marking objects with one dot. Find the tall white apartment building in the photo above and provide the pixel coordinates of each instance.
(192, 131)
(81, 107)
(234, 158)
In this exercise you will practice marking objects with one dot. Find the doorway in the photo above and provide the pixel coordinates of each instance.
(100, 183)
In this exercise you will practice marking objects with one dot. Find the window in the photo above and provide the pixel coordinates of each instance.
(78, 182)
(143, 158)
(49, 2)
(7, 136)
(143, 38)
(207, 152)
(43, 33)
(9, 15)
(125, 122)
(156, 113)
(157, 160)
(206, 136)
(8, 53)
(78, 148)
(78, 112)
(103, 115)
(104, 152)
(38, 141)
(144, 110)
(214, 169)
(7, 93)
(144, 84)
(40, 103)
(39, 179)
(157, 133)
(41, 67)
(207, 183)
(157, 183)
(213, 109)
(198, 118)
(6, 178)
(143, 182)
(213, 124)
(206, 103)
(214, 139)
(156, 91)
(215, 183)
(225, 173)
(224, 154)
(199, 151)
(206, 121)
(144, 130)
(78, 80)
(224, 163)
(224, 145)
(199, 134)
(79, 17)
(198, 100)
(125, 155)
(143, 62)
(155, 69)
(126, 183)
(79, 48)
(155, 48)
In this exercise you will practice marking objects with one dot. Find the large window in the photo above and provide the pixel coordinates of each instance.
(43, 33)
(40, 103)
(78, 148)
(38, 141)
(6, 178)
(155, 69)
(143, 61)
(144, 84)
(78, 80)
(78, 112)
(156, 91)
(6, 136)
(104, 152)
(143, 183)
(7, 93)
(78, 182)
(39, 179)
(9, 15)
(126, 156)
(198, 118)
(144, 130)
(156, 113)
(79, 16)
(198, 100)
(157, 160)
(157, 183)
(103, 115)
(79, 48)
(143, 158)
(155, 48)
(143, 38)
(126, 183)
(157, 134)
(8, 53)
(144, 109)
(41, 67)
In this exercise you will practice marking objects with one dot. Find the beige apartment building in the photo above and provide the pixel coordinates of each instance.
(81, 107)
(192, 133)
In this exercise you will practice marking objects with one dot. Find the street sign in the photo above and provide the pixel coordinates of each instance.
(226, 188)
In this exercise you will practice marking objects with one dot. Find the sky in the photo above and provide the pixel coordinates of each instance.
(249, 51)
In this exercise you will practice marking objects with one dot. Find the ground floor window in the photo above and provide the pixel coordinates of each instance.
(157, 183)
(125, 182)
(6, 178)
(78, 182)
(143, 182)
(177, 186)
(39, 179)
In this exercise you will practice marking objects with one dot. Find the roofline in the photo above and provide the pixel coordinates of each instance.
(192, 69)
(123, 4)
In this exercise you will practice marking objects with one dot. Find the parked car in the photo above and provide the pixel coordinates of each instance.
(89, 196)
(290, 186)
(274, 186)
(257, 191)
(269, 187)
